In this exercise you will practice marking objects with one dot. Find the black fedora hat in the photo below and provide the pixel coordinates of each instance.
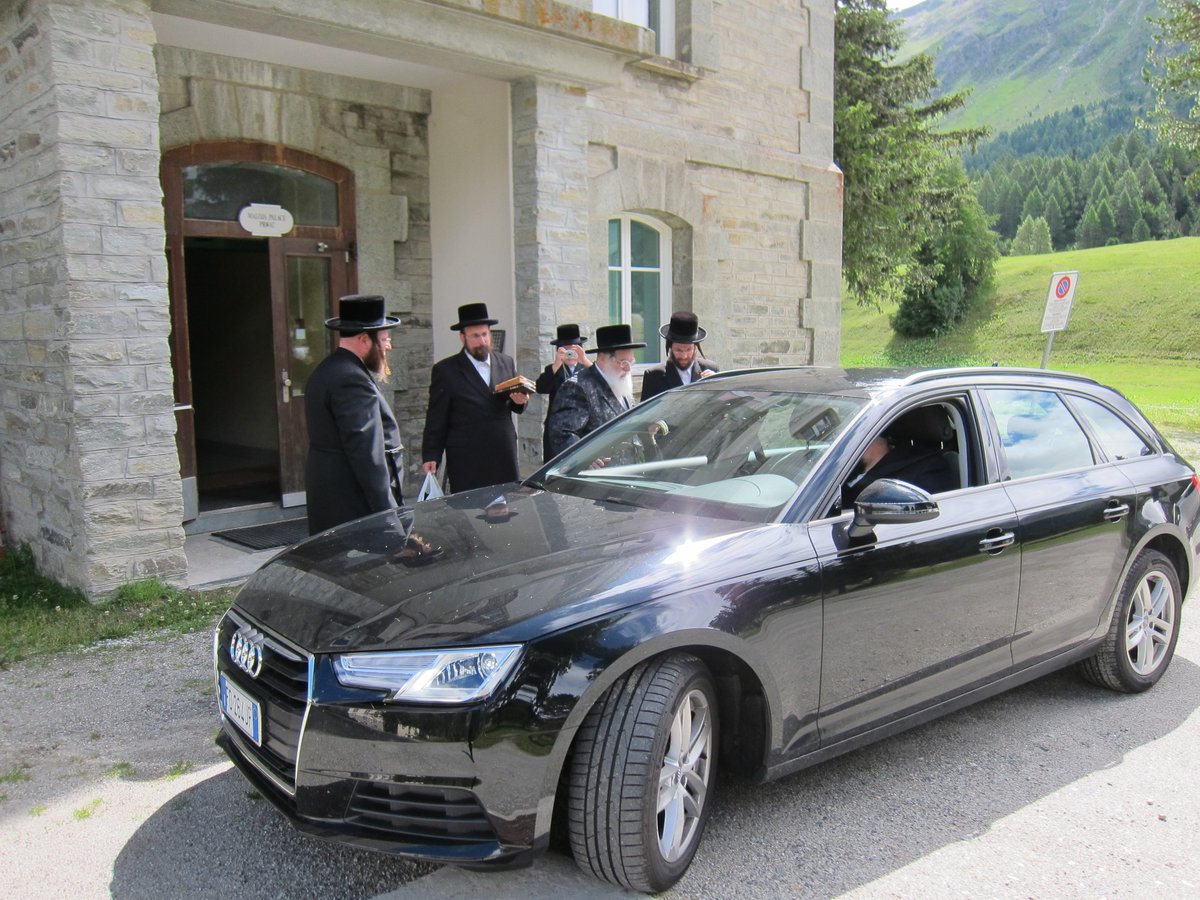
(614, 337)
(568, 335)
(472, 314)
(361, 312)
(684, 328)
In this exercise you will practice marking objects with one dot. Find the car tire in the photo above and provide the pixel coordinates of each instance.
(1145, 626)
(642, 775)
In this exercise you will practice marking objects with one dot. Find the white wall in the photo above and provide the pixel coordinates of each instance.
(471, 212)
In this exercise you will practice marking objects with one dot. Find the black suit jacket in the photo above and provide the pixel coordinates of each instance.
(548, 383)
(350, 428)
(928, 469)
(581, 405)
(665, 376)
(470, 424)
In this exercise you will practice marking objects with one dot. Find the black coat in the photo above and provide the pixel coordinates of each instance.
(580, 406)
(350, 428)
(665, 376)
(470, 424)
(548, 383)
(928, 469)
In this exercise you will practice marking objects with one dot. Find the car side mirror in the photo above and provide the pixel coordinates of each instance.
(889, 501)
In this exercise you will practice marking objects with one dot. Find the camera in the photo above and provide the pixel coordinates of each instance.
(569, 354)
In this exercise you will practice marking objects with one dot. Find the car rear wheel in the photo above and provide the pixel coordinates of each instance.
(643, 773)
(1145, 626)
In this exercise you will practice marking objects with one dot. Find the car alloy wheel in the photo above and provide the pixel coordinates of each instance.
(642, 774)
(1141, 638)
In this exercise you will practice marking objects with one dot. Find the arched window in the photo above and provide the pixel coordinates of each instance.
(218, 190)
(639, 279)
(657, 15)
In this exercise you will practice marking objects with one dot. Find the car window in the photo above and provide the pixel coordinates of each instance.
(922, 446)
(1116, 436)
(737, 452)
(1038, 433)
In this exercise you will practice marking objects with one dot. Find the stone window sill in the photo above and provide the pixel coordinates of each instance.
(672, 68)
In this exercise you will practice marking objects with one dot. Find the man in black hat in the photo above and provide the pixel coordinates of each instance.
(683, 365)
(353, 439)
(466, 419)
(569, 361)
(584, 403)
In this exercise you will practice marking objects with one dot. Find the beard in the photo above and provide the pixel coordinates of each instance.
(376, 362)
(621, 383)
(481, 352)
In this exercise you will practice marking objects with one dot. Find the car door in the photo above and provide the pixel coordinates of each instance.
(1073, 507)
(918, 612)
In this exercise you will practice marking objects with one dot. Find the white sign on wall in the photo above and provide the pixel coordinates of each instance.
(1058, 301)
(266, 220)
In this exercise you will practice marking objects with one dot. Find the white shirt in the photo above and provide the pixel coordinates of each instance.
(483, 368)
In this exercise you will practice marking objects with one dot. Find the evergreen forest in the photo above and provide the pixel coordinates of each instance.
(1132, 189)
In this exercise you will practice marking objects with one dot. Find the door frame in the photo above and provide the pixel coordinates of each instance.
(178, 228)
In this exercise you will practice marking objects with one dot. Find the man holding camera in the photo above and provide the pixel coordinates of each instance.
(569, 360)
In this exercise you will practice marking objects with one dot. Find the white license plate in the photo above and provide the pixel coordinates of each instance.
(241, 710)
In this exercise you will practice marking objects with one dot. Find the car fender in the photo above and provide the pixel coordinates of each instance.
(604, 670)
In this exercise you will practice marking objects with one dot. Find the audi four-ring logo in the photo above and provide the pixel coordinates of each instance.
(246, 651)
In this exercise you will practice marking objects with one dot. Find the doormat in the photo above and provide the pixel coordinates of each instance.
(264, 537)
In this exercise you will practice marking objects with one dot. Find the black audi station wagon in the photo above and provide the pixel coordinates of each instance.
(750, 575)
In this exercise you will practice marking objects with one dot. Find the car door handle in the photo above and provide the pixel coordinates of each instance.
(997, 540)
(1116, 511)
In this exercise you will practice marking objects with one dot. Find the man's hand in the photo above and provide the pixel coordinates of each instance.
(599, 463)
(704, 373)
(581, 358)
(518, 397)
(430, 468)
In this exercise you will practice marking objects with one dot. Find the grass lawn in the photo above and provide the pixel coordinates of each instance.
(37, 615)
(1135, 324)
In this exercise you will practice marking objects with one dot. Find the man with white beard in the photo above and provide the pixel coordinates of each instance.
(584, 403)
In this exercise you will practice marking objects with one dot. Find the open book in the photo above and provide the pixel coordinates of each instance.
(516, 383)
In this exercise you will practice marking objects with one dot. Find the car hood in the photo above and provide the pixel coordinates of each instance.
(466, 569)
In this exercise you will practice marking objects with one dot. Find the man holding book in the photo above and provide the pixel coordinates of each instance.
(472, 397)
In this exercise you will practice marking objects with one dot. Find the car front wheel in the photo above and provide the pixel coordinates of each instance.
(643, 773)
(1145, 626)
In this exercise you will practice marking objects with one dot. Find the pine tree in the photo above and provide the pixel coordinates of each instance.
(1174, 72)
(1054, 220)
(889, 152)
(1034, 205)
(1033, 237)
(1089, 233)
(1126, 214)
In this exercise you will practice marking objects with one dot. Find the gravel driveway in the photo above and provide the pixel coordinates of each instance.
(112, 786)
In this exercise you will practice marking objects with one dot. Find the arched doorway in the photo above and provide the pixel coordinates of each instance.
(260, 244)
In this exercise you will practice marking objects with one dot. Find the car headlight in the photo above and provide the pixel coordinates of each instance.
(429, 676)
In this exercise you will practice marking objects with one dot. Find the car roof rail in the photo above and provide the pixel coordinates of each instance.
(937, 374)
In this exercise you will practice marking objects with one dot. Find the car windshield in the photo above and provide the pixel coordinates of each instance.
(734, 453)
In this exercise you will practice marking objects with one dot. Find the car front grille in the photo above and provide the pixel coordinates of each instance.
(282, 687)
(420, 813)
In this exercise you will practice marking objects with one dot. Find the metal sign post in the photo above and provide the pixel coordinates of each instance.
(1058, 307)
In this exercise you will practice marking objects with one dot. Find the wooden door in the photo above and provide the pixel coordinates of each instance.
(307, 277)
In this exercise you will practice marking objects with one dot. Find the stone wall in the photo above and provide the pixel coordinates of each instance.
(550, 230)
(89, 474)
(380, 132)
(735, 152)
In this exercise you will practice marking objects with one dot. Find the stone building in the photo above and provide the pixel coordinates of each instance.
(187, 186)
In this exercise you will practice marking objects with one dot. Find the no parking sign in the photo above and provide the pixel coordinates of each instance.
(1058, 301)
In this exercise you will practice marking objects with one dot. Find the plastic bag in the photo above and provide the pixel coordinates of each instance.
(430, 489)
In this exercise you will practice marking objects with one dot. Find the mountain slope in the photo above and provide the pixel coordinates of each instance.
(1026, 59)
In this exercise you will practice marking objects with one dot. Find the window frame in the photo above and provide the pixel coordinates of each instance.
(653, 353)
(660, 18)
